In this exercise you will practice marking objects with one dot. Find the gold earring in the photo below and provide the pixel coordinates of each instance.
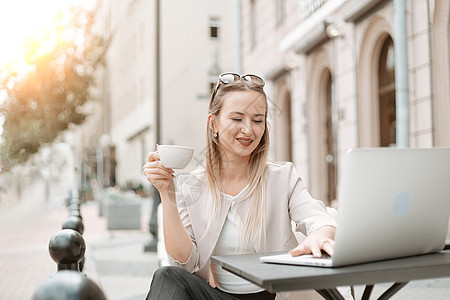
(215, 134)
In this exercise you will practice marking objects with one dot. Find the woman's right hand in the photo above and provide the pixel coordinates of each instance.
(156, 173)
(177, 240)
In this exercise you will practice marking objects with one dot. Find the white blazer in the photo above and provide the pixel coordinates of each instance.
(287, 199)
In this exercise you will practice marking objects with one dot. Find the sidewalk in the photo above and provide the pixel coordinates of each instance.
(115, 260)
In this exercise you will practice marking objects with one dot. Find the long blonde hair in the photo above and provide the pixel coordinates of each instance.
(256, 191)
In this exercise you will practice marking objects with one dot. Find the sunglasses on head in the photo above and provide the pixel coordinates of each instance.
(229, 77)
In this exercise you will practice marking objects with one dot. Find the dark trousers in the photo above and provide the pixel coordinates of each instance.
(171, 283)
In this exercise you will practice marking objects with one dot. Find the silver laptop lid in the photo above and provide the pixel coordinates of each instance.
(393, 202)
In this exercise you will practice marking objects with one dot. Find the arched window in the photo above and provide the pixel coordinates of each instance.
(386, 92)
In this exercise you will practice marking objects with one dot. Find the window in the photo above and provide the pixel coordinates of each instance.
(386, 91)
(283, 123)
(330, 139)
(214, 27)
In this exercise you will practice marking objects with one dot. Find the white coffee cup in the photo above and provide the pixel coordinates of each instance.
(175, 157)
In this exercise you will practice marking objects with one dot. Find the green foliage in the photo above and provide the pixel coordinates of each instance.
(45, 101)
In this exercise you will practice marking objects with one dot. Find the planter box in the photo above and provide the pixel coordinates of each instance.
(123, 213)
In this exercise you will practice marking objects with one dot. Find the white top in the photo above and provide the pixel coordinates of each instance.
(287, 200)
(228, 243)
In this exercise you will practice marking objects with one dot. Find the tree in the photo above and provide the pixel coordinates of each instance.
(48, 98)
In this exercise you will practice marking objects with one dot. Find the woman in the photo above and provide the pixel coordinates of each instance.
(238, 203)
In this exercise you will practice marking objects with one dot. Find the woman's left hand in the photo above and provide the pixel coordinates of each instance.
(322, 239)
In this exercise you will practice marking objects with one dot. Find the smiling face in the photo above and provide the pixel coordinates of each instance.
(240, 124)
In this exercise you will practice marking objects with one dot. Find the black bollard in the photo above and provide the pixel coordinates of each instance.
(69, 285)
(81, 264)
(67, 200)
(67, 248)
(74, 209)
(75, 223)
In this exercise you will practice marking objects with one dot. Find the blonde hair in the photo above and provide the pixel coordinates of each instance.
(256, 191)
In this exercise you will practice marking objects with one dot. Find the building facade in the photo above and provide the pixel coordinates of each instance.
(144, 91)
(330, 72)
(198, 42)
(329, 67)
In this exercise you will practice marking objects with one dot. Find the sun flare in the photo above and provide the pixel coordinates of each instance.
(32, 28)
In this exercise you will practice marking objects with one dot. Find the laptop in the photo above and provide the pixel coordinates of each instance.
(394, 202)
